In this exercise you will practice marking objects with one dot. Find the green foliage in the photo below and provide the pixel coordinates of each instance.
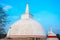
(2, 35)
(58, 35)
(3, 20)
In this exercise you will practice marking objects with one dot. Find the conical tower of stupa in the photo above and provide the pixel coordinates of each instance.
(26, 27)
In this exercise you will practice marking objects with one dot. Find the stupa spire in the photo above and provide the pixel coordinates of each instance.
(27, 14)
(27, 8)
(51, 28)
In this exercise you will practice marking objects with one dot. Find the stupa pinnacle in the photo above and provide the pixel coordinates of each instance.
(27, 8)
(27, 14)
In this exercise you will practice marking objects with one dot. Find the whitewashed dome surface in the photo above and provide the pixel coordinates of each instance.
(26, 26)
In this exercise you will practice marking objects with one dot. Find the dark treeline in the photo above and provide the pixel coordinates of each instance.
(2, 35)
(3, 22)
(58, 35)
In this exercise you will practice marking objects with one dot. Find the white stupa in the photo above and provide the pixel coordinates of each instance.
(26, 27)
(51, 35)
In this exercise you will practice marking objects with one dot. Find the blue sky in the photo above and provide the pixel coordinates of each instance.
(46, 12)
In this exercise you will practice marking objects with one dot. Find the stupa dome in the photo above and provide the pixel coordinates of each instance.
(26, 27)
(52, 35)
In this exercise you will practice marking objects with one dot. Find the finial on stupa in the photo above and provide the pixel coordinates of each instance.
(27, 14)
(27, 8)
(51, 28)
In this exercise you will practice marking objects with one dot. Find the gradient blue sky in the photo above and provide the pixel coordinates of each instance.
(46, 12)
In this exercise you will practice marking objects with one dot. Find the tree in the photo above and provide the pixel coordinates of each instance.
(3, 20)
(58, 35)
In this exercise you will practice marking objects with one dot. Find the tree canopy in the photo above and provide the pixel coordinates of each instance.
(3, 20)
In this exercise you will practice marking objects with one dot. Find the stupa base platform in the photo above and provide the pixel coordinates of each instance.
(26, 37)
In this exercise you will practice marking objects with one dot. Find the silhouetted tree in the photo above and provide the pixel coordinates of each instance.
(3, 21)
(58, 36)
